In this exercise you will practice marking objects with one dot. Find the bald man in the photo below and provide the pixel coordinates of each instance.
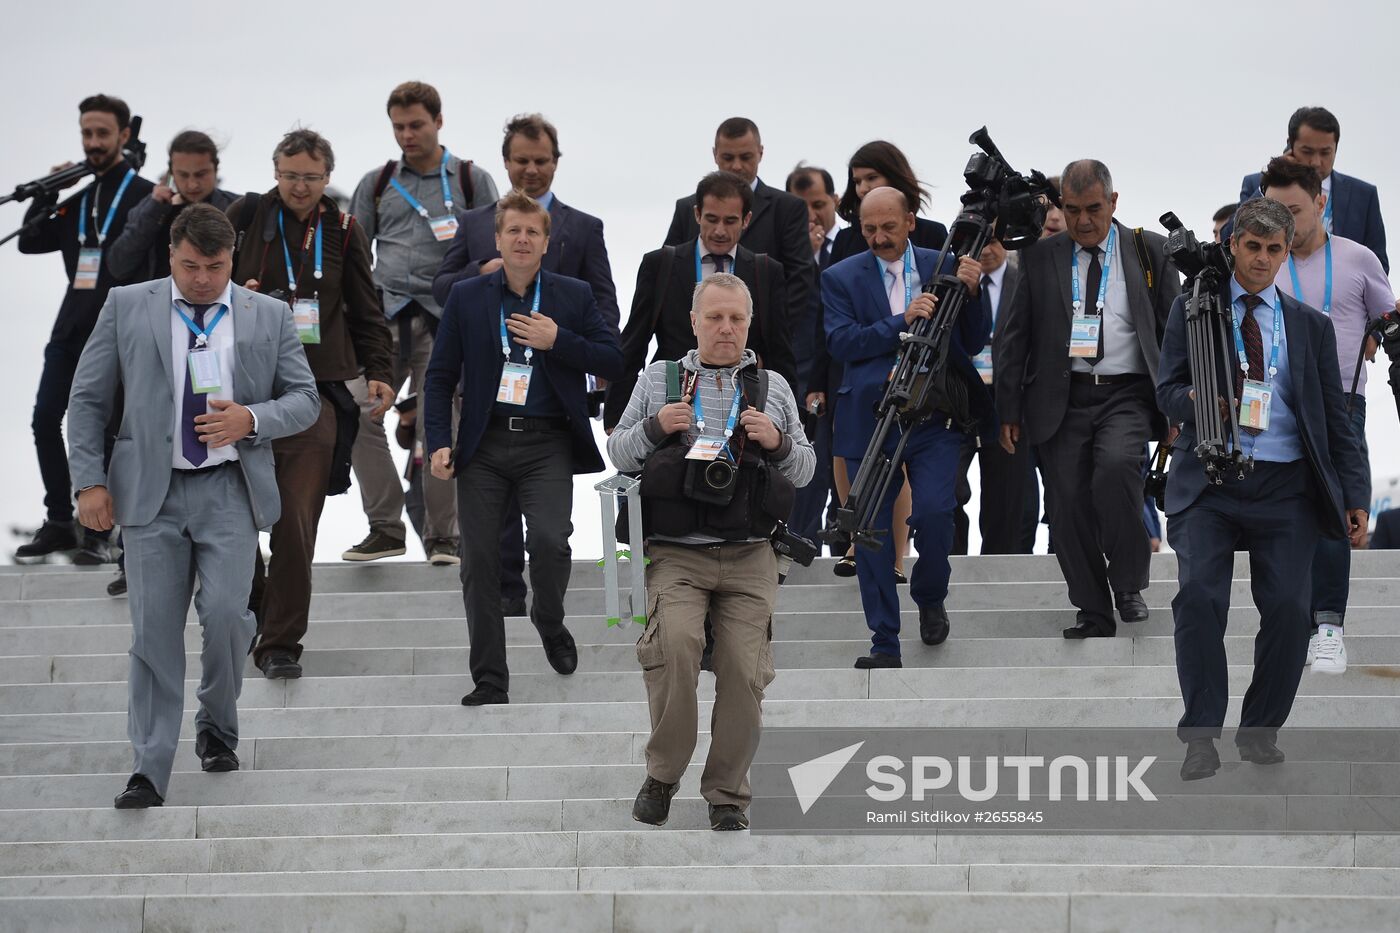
(868, 301)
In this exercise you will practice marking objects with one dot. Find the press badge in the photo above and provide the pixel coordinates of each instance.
(983, 362)
(306, 314)
(515, 384)
(444, 228)
(1084, 336)
(1254, 405)
(89, 264)
(204, 371)
(707, 447)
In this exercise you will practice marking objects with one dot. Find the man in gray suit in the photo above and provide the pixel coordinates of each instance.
(211, 373)
(1075, 362)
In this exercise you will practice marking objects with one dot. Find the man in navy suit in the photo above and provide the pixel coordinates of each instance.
(1353, 207)
(576, 249)
(868, 301)
(519, 341)
(1308, 480)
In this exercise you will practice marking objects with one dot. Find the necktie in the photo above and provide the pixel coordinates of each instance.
(719, 259)
(986, 284)
(1091, 295)
(824, 259)
(1253, 348)
(896, 277)
(195, 450)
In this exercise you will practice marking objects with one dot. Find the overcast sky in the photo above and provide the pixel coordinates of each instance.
(1180, 100)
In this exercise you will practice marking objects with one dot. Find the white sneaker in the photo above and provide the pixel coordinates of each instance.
(1312, 650)
(1331, 655)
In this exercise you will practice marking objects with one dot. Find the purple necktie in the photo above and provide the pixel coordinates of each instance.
(196, 404)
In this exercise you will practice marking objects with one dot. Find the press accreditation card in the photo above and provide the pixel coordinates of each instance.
(204, 371)
(1084, 335)
(983, 362)
(306, 314)
(515, 384)
(444, 228)
(706, 447)
(1254, 405)
(89, 264)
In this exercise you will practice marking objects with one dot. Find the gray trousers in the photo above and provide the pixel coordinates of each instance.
(537, 468)
(381, 487)
(204, 531)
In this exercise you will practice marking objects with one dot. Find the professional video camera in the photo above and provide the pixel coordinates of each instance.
(1386, 330)
(135, 153)
(1209, 334)
(1001, 203)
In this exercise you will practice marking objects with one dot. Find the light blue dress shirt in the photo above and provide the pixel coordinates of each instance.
(1281, 443)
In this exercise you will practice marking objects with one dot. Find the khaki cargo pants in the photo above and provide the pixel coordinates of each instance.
(737, 584)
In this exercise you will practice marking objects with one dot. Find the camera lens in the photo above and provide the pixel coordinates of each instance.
(719, 475)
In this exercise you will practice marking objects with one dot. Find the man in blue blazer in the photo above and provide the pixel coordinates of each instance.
(519, 341)
(576, 249)
(1353, 207)
(1308, 480)
(868, 300)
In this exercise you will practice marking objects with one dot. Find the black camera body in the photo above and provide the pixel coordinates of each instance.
(1018, 202)
(710, 482)
(1210, 261)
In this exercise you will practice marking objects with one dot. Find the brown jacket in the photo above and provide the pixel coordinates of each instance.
(353, 333)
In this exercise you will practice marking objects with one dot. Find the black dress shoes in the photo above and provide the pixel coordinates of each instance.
(213, 754)
(562, 652)
(845, 567)
(118, 586)
(280, 667)
(653, 803)
(1131, 607)
(727, 818)
(1086, 626)
(873, 660)
(485, 695)
(140, 793)
(933, 624)
(1201, 760)
(1259, 750)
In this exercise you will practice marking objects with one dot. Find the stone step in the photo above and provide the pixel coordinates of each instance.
(67, 582)
(585, 686)
(1380, 591)
(452, 719)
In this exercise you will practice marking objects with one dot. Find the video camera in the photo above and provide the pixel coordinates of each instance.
(1020, 200)
(791, 548)
(1192, 257)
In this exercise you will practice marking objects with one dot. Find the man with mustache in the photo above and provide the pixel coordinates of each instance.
(82, 230)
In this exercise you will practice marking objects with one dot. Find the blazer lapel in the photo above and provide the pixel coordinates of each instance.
(245, 324)
(762, 202)
(1341, 199)
(874, 275)
(559, 235)
(1297, 339)
(1061, 256)
(159, 317)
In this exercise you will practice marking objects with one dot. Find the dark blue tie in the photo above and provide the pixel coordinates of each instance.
(196, 404)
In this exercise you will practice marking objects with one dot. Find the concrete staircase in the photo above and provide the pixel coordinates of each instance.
(371, 800)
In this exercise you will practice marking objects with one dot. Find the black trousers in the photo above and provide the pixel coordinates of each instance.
(536, 469)
(1010, 500)
(50, 406)
(1270, 514)
(1093, 492)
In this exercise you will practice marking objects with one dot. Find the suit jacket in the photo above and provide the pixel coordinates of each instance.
(826, 372)
(576, 249)
(769, 334)
(1030, 359)
(468, 351)
(1341, 477)
(1356, 210)
(778, 228)
(130, 351)
(863, 334)
(1387, 533)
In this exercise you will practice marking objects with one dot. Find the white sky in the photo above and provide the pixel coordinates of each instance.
(1180, 100)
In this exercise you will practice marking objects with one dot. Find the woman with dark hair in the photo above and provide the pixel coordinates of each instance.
(879, 164)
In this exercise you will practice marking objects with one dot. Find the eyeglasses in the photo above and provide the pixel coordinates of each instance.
(297, 178)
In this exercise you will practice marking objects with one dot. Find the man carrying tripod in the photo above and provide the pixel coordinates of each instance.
(1306, 467)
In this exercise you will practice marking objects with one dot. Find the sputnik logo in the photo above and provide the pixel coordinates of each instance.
(811, 778)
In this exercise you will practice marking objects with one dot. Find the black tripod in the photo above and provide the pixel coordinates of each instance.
(921, 386)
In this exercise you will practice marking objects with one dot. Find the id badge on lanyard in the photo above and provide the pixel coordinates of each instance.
(89, 265)
(1254, 404)
(90, 257)
(515, 384)
(306, 314)
(205, 372)
(1084, 328)
(983, 364)
(444, 227)
(1084, 335)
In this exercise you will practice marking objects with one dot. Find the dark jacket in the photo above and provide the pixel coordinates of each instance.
(468, 351)
(353, 332)
(77, 315)
(769, 334)
(1356, 211)
(1341, 478)
(142, 252)
(576, 249)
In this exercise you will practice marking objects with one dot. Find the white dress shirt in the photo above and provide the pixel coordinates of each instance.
(707, 265)
(896, 290)
(220, 340)
(1121, 351)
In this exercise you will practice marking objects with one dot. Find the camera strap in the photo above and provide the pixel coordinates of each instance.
(1140, 242)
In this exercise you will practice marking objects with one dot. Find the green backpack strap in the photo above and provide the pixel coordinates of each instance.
(673, 382)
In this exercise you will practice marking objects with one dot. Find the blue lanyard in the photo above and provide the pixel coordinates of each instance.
(287, 254)
(908, 273)
(1278, 339)
(1100, 301)
(698, 276)
(1327, 287)
(111, 210)
(505, 334)
(446, 189)
(201, 337)
(733, 406)
(1326, 218)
